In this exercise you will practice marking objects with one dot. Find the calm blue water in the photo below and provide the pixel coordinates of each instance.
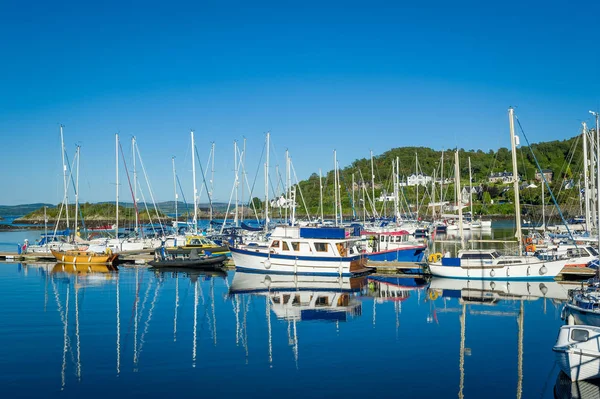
(137, 332)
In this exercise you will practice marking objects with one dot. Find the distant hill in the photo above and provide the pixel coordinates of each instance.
(168, 207)
(20, 210)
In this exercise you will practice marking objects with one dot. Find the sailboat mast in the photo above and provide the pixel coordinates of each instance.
(373, 185)
(212, 182)
(76, 195)
(513, 146)
(396, 191)
(243, 176)
(417, 185)
(586, 182)
(135, 197)
(321, 193)
(335, 185)
(458, 197)
(471, 191)
(267, 183)
(65, 186)
(288, 184)
(236, 184)
(117, 185)
(597, 172)
(442, 186)
(339, 188)
(543, 205)
(175, 190)
(353, 202)
(195, 220)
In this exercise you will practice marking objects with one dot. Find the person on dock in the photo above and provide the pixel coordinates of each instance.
(25, 245)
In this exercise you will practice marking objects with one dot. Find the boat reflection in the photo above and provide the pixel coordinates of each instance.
(565, 389)
(493, 291)
(304, 297)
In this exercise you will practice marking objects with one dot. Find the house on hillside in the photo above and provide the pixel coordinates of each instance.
(418, 180)
(475, 192)
(502, 177)
(547, 173)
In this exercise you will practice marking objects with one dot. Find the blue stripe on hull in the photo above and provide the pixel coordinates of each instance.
(403, 255)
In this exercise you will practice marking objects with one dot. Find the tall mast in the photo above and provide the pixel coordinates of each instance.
(353, 202)
(458, 197)
(195, 220)
(417, 186)
(175, 191)
(243, 176)
(442, 186)
(373, 185)
(135, 198)
(335, 184)
(593, 198)
(65, 186)
(586, 182)
(236, 183)
(513, 146)
(212, 182)
(597, 172)
(471, 191)
(321, 193)
(288, 184)
(117, 185)
(339, 188)
(395, 171)
(543, 205)
(76, 194)
(267, 184)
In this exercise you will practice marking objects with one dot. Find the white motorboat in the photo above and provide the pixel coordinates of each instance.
(578, 351)
(303, 250)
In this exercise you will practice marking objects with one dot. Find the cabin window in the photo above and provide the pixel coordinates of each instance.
(296, 245)
(382, 239)
(321, 246)
(285, 246)
(276, 300)
(275, 244)
(322, 301)
(398, 238)
(579, 335)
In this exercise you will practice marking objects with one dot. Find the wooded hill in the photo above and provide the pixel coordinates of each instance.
(564, 158)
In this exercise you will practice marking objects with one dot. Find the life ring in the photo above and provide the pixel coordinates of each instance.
(434, 258)
(433, 294)
(530, 248)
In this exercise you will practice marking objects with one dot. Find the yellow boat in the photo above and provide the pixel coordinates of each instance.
(85, 257)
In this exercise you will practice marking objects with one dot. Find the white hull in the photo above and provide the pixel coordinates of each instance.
(539, 270)
(579, 365)
(577, 351)
(245, 260)
(260, 282)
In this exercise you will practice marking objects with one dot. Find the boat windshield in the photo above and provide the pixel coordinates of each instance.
(592, 251)
(496, 254)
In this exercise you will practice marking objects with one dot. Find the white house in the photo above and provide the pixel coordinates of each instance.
(418, 180)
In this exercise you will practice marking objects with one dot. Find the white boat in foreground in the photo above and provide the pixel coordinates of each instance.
(578, 351)
(303, 250)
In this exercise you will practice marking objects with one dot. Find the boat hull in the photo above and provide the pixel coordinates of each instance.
(260, 261)
(82, 257)
(210, 262)
(532, 271)
(579, 365)
(410, 255)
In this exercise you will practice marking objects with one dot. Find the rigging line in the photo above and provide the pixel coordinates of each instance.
(257, 169)
(74, 188)
(203, 179)
(151, 193)
(300, 189)
(135, 205)
(545, 181)
(187, 209)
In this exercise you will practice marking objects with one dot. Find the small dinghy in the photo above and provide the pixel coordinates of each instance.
(577, 351)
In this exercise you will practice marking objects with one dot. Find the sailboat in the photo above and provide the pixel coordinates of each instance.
(489, 263)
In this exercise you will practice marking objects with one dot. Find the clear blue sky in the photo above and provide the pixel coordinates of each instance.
(351, 76)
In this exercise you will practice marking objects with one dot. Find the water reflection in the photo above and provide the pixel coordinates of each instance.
(143, 325)
(565, 389)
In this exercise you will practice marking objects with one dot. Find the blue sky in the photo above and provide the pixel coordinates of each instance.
(350, 76)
